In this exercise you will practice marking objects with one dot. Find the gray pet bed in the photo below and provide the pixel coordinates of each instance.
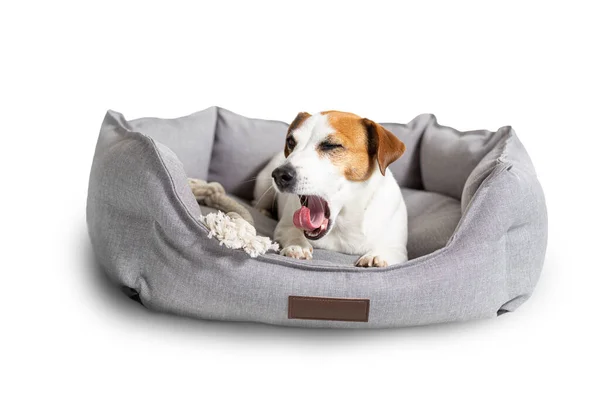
(477, 226)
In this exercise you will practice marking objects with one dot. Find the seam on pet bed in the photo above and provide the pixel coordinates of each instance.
(214, 138)
(498, 169)
(173, 187)
(500, 159)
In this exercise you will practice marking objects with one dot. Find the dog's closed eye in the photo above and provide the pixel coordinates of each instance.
(329, 146)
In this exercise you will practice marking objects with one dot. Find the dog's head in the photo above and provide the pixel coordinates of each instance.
(330, 156)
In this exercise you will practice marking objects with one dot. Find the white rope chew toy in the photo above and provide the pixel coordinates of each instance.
(235, 229)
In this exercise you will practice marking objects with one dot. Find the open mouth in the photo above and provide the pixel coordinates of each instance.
(312, 217)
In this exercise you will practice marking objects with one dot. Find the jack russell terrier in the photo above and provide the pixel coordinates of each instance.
(333, 190)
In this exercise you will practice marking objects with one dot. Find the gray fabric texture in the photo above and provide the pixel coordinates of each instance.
(242, 148)
(191, 138)
(477, 225)
(407, 169)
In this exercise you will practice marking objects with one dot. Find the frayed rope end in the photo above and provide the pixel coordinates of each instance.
(234, 232)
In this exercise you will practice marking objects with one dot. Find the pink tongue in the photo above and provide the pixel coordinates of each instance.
(311, 217)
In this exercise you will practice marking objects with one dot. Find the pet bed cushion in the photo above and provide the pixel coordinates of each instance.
(477, 224)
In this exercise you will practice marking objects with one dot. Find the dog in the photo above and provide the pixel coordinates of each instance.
(334, 191)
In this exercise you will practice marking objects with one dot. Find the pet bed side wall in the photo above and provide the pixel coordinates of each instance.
(242, 147)
(191, 138)
(527, 237)
(526, 226)
(449, 156)
(407, 169)
(129, 208)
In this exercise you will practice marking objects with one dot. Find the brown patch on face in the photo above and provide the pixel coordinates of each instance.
(354, 160)
(365, 143)
(300, 118)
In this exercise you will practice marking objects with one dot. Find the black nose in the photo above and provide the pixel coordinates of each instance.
(285, 176)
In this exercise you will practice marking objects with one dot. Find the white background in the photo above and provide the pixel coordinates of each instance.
(67, 333)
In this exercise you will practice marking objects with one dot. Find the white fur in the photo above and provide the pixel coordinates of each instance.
(369, 218)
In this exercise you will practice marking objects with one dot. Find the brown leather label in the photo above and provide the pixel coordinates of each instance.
(328, 308)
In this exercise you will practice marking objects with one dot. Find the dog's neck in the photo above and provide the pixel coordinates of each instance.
(355, 205)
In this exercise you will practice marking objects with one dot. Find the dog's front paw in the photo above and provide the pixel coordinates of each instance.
(369, 260)
(381, 259)
(299, 252)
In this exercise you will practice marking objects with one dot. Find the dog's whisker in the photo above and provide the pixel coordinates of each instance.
(263, 195)
(257, 179)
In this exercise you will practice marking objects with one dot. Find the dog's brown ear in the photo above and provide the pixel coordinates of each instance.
(383, 143)
(300, 118)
